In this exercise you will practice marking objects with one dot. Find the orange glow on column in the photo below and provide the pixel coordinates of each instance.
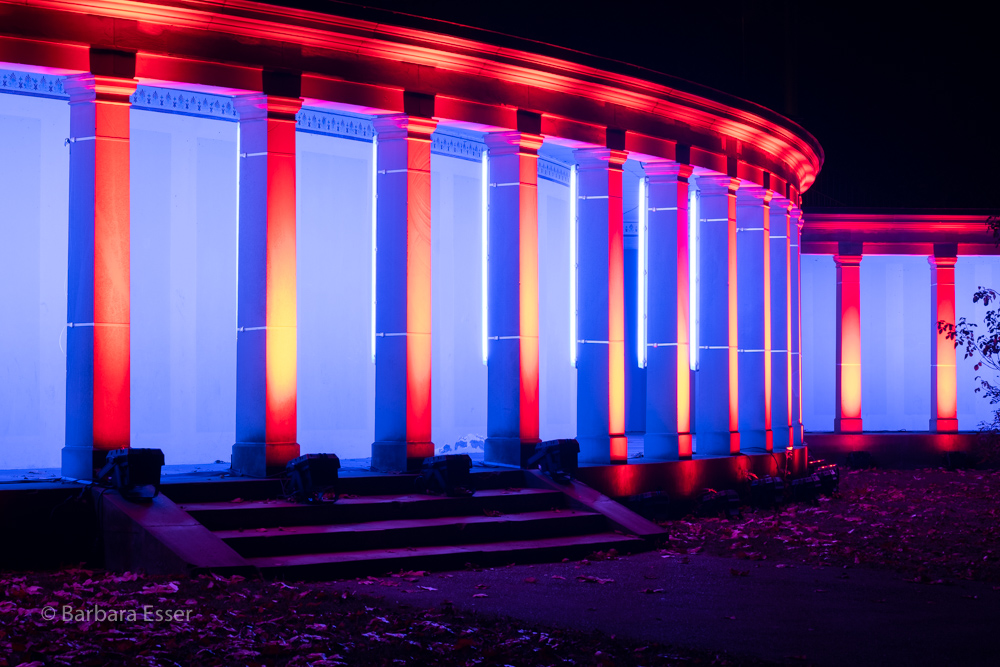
(943, 378)
(418, 284)
(112, 391)
(528, 261)
(616, 312)
(848, 416)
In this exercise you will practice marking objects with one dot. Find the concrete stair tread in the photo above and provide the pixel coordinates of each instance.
(361, 500)
(398, 524)
(610, 540)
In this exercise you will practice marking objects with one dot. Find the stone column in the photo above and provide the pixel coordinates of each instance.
(98, 400)
(512, 326)
(795, 227)
(403, 293)
(753, 248)
(668, 377)
(601, 329)
(781, 323)
(717, 387)
(848, 415)
(944, 380)
(266, 339)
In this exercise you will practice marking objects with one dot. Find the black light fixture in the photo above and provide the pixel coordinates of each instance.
(449, 474)
(806, 489)
(135, 473)
(829, 477)
(712, 503)
(766, 491)
(313, 475)
(557, 458)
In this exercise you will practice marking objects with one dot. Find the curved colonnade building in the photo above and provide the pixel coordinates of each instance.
(403, 225)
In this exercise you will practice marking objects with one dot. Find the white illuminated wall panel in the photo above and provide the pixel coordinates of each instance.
(970, 274)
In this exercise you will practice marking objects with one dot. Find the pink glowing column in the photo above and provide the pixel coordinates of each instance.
(781, 324)
(944, 399)
(403, 293)
(795, 318)
(98, 398)
(600, 412)
(668, 377)
(266, 340)
(512, 329)
(848, 416)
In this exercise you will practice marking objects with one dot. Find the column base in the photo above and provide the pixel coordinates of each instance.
(513, 452)
(600, 449)
(396, 456)
(782, 438)
(721, 443)
(757, 440)
(258, 459)
(667, 446)
(845, 425)
(944, 425)
(82, 462)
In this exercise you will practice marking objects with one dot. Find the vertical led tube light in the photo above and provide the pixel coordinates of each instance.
(693, 278)
(572, 265)
(239, 160)
(485, 251)
(641, 274)
(374, 231)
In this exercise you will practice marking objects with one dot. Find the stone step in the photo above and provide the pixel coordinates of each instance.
(443, 557)
(273, 513)
(402, 533)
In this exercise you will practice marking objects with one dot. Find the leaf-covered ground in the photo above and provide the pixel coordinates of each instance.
(250, 622)
(933, 526)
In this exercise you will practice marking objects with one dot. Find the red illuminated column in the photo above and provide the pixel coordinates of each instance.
(848, 416)
(795, 316)
(781, 323)
(512, 284)
(717, 386)
(403, 293)
(600, 399)
(668, 377)
(97, 337)
(753, 249)
(944, 399)
(266, 337)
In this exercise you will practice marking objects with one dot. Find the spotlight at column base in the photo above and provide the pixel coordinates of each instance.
(82, 462)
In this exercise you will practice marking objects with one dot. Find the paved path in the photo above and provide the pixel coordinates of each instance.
(826, 616)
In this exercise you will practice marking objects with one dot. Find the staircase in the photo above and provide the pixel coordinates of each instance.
(380, 525)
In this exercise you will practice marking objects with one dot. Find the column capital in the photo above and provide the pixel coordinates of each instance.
(95, 87)
(942, 262)
(753, 195)
(796, 214)
(664, 172)
(258, 105)
(402, 126)
(718, 184)
(780, 202)
(513, 142)
(847, 260)
(600, 158)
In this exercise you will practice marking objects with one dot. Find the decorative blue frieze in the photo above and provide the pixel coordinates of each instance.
(553, 171)
(184, 102)
(334, 124)
(29, 83)
(464, 148)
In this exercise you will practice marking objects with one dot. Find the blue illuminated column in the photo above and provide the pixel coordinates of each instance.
(781, 325)
(267, 318)
(795, 273)
(753, 248)
(403, 293)
(98, 395)
(717, 387)
(601, 320)
(512, 325)
(668, 387)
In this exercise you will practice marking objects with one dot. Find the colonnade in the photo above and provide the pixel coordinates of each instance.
(735, 385)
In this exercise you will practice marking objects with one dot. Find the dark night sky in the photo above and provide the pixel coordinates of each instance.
(903, 102)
